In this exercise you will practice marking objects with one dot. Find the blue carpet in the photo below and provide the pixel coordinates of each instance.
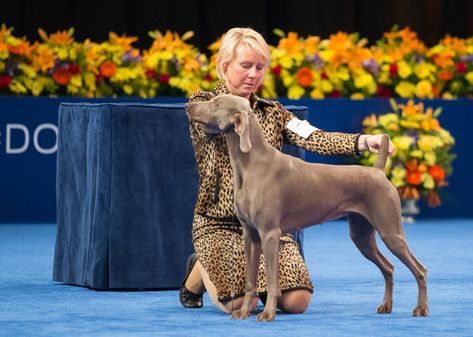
(348, 290)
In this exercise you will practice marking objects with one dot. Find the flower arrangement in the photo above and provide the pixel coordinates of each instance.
(174, 67)
(15, 56)
(344, 65)
(423, 158)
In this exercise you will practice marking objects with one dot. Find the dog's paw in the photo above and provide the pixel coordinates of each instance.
(266, 316)
(240, 314)
(385, 308)
(420, 311)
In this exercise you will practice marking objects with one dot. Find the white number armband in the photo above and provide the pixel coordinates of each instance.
(302, 128)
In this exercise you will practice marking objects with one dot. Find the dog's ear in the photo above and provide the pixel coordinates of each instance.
(241, 121)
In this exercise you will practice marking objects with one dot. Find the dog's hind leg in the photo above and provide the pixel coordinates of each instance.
(395, 239)
(363, 236)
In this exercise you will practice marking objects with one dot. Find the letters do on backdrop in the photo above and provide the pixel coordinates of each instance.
(18, 138)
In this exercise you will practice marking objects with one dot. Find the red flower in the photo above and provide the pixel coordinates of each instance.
(461, 67)
(335, 94)
(208, 77)
(437, 172)
(108, 69)
(324, 75)
(393, 70)
(99, 78)
(164, 78)
(413, 178)
(382, 91)
(62, 76)
(304, 77)
(277, 70)
(74, 68)
(5, 81)
(150, 74)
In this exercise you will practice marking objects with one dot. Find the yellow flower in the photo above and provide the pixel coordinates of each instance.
(428, 142)
(429, 182)
(286, 62)
(76, 80)
(424, 70)
(447, 95)
(357, 95)
(317, 94)
(469, 77)
(424, 89)
(402, 143)
(326, 86)
(398, 176)
(405, 89)
(295, 92)
(410, 124)
(387, 120)
(446, 137)
(430, 158)
(362, 79)
(404, 70)
(127, 89)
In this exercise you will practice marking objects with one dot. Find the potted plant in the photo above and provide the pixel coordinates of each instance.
(423, 158)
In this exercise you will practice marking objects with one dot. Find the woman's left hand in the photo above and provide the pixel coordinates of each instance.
(372, 143)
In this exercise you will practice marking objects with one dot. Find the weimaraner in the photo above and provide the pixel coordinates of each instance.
(275, 193)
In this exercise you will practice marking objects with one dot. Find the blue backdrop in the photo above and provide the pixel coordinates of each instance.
(28, 140)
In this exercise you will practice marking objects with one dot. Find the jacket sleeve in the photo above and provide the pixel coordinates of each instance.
(320, 141)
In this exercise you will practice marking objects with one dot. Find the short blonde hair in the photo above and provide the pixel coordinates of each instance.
(230, 41)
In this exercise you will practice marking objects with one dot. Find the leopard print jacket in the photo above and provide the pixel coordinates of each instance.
(215, 195)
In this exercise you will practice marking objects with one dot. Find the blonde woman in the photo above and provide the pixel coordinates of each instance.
(218, 264)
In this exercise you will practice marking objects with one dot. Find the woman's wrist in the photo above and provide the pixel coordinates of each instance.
(363, 143)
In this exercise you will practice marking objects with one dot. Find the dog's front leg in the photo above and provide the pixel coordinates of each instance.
(270, 242)
(252, 256)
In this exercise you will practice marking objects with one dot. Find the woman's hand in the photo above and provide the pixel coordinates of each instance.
(372, 143)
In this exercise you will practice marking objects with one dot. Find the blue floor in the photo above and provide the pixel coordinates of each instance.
(348, 290)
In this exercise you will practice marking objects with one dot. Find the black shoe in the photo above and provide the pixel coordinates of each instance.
(189, 299)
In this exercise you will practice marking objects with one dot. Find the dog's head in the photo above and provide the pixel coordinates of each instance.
(224, 113)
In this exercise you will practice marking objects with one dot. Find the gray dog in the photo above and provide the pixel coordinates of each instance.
(308, 194)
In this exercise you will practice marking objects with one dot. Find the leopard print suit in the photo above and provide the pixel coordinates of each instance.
(216, 233)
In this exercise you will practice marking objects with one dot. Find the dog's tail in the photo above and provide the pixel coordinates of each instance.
(383, 153)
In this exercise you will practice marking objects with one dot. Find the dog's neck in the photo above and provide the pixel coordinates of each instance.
(254, 158)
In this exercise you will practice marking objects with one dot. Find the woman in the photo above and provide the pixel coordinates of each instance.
(218, 265)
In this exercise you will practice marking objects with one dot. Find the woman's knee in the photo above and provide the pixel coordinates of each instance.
(295, 301)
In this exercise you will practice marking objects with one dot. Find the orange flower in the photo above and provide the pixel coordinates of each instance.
(433, 199)
(108, 69)
(123, 41)
(409, 192)
(411, 165)
(411, 109)
(437, 172)
(430, 123)
(62, 76)
(291, 44)
(445, 75)
(22, 48)
(61, 37)
(43, 58)
(414, 178)
(304, 77)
